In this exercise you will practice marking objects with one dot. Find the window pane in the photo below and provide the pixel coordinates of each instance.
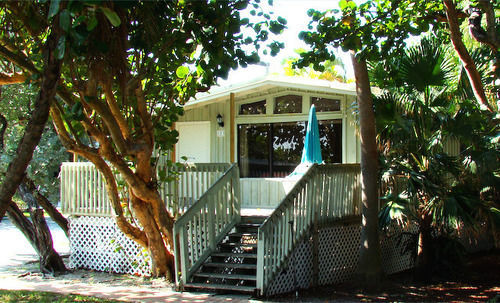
(253, 150)
(330, 137)
(288, 142)
(288, 104)
(258, 158)
(254, 108)
(325, 104)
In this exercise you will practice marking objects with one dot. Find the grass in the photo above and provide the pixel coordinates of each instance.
(26, 296)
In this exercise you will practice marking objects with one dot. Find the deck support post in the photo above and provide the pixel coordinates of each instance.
(260, 264)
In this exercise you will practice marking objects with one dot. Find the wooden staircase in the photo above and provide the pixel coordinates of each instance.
(233, 266)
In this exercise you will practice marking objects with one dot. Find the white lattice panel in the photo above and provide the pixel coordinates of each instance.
(300, 265)
(394, 259)
(338, 253)
(97, 243)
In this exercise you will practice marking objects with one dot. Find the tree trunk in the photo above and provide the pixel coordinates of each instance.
(369, 270)
(32, 196)
(3, 125)
(36, 124)
(159, 254)
(38, 234)
(424, 254)
(463, 54)
(3, 128)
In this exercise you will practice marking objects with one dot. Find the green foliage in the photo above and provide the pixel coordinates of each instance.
(372, 29)
(177, 49)
(422, 112)
(16, 105)
(330, 70)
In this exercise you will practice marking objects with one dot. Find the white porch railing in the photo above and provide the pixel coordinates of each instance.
(192, 180)
(324, 192)
(264, 192)
(205, 223)
(83, 189)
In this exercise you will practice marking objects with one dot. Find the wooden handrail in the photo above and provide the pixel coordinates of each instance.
(324, 192)
(205, 223)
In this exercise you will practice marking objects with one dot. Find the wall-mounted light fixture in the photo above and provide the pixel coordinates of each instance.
(220, 121)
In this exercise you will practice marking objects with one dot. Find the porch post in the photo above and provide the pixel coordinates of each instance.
(232, 128)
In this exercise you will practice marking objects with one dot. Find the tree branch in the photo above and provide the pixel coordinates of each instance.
(29, 188)
(18, 59)
(133, 232)
(115, 111)
(458, 44)
(3, 128)
(36, 124)
(488, 9)
(111, 123)
(12, 79)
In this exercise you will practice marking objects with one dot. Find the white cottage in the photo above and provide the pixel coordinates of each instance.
(243, 141)
(261, 126)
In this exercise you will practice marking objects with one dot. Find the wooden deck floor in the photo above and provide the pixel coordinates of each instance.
(254, 212)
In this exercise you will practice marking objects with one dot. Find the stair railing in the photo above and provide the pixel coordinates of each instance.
(205, 223)
(323, 193)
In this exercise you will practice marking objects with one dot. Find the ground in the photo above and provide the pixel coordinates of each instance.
(478, 281)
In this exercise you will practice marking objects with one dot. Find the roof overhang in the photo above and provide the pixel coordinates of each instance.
(219, 94)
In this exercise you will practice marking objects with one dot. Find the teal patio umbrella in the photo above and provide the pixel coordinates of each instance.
(312, 147)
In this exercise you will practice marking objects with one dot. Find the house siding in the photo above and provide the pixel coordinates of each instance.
(220, 149)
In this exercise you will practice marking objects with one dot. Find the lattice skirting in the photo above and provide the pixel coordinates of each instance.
(97, 243)
(338, 248)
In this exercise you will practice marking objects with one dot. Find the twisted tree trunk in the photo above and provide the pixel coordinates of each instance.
(32, 196)
(38, 234)
(36, 124)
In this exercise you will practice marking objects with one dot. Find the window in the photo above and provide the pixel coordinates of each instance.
(275, 149)
(330, 137)
(288, 104)
(325, 104)
(254, 108)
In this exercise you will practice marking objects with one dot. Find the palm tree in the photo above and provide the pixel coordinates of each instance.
(415, 120)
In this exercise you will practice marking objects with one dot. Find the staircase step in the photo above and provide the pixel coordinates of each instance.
(226, 276)
(235, 255)
(253, 219)
(249, 225)
(232, 244)
(231, 265)
(245, 234)
(215, 287)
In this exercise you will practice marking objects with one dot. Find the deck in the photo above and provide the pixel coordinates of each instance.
(217, 246)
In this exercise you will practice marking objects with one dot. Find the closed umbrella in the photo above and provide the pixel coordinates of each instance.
(312, 148)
